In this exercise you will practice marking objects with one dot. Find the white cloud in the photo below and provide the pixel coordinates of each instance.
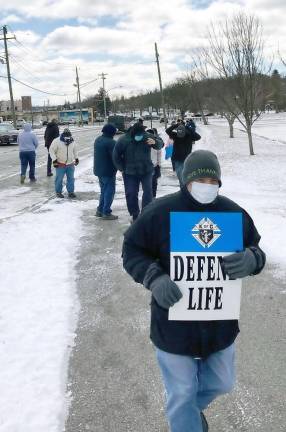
(10, 19)
(124, 50)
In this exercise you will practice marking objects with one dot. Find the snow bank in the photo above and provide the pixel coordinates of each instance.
(38, 316)
(256, 183)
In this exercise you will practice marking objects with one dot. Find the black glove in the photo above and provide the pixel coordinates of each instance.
(76, 162)
(165, 291)
(240, 264)
(55, 163)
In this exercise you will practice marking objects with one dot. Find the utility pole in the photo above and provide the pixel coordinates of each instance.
(160, 83)
(5, 38)
(103, 75)
(79, 98)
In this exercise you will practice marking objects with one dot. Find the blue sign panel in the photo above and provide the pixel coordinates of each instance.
(206, 232)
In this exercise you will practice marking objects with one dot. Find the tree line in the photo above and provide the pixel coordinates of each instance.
(230, 75)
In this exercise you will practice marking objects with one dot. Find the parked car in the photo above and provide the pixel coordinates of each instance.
(20, 123)
(37, 125)
(8, 135)
(99, 119)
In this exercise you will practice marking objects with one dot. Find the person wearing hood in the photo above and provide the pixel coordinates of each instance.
(104, 169)
(132, 156)
(28, 142)
(63, 152)
(196, 358)
(52, 131)
(183, 138)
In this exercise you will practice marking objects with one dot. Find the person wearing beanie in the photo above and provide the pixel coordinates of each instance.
(63, 152)
(183, 138)
(132, 156)
(105, 170)
(196, 358)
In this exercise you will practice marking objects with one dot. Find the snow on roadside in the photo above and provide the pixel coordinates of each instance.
(38, 315)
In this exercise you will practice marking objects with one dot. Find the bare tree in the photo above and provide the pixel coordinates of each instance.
(177, 95)
(198, 86)
(236, 56)
(213, 93)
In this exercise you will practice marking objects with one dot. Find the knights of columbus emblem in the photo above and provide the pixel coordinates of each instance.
(206, 232)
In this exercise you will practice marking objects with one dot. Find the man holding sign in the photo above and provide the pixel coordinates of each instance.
(191, 249)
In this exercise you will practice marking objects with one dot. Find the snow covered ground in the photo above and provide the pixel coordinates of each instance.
(256, 182)
(38, 278)
(38, 311)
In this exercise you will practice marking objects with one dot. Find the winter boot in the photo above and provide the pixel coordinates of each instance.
(98, 213)
(72, 195)
(22, 179)
(60, 195)
(50, 174)
(109, 217)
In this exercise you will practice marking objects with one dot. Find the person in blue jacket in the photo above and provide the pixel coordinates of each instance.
(105, 170)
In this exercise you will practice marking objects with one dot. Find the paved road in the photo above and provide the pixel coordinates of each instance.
(113, 375)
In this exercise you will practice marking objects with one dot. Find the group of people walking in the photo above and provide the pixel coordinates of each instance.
(137, 154)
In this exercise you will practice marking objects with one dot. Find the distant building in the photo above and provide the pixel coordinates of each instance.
(26, 103)
(5, 106)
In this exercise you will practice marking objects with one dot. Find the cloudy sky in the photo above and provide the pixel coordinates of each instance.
(115, 37)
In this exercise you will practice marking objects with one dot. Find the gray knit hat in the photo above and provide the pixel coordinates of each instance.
(201, 164)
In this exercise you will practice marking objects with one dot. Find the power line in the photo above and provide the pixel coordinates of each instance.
(42, 60)
(23, 67)
(89, 82)
(36, 89)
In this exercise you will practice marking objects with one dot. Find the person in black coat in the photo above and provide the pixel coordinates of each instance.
(132, 156)
(105, 170)
(196, 358)
(52, 131)
(183, 138)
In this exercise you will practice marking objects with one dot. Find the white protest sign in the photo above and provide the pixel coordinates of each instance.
(198, 243)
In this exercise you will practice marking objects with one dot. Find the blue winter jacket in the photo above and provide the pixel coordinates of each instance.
(27, 140)
(103, 165)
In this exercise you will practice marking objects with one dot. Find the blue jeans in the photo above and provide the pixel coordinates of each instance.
(131, 185)
(178, 165)
(107, 191)
(192, 384)
(28, 158)
(60, 173)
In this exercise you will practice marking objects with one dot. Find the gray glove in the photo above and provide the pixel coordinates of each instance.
(240, 264)
(165, 291)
